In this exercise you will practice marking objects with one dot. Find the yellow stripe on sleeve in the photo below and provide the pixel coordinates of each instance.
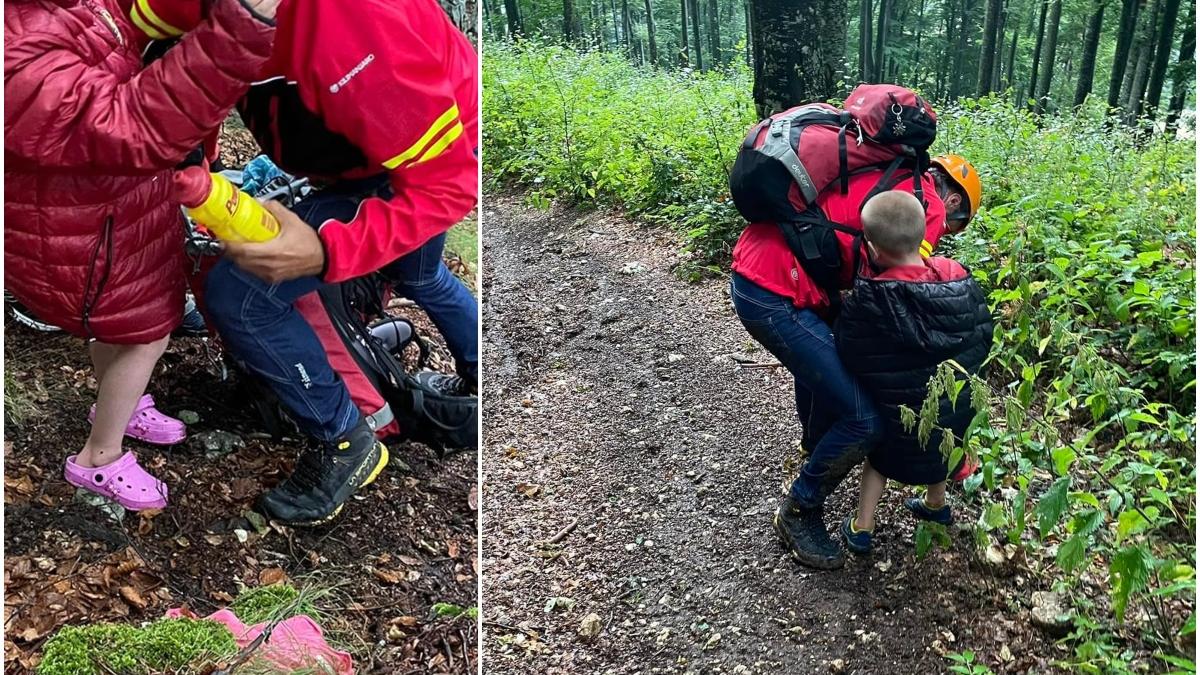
(926, 249)
(441, 145)
(156, 21)
(439, 125)
(146, 28)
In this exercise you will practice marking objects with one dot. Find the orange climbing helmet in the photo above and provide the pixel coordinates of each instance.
(962, 174)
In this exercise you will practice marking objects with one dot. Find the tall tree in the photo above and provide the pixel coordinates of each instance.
(1087, 63)
(866, 57)
(627, 26)
(1037, 50)
(881, 37)
(917, 62)
(714, 34)
(683, 30)
(1162, 56)
(798, 50)
(1009, 73)
(569, 20)
(1185, 67)
(616, 19)
(695, 11)
(998, 67)
(1141, 71)
(1049, 48)
(650, 35)
(1126, 28)
(987, 52)
(513, 12)
(750, 32)
(960, 66)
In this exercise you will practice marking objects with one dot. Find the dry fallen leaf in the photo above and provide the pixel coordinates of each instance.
(272, 575)
(528, 490)
(132, 596)
(386, 576)
(591, 626)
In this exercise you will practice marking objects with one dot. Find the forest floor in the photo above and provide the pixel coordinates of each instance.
(631, 469)
(402, 545)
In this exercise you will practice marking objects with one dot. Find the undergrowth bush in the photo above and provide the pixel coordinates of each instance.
(1086, 245)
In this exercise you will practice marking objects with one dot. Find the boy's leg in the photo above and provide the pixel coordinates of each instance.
(870, 489)
(131, 367)
(804, 344)
(935, 495)
(422, 276)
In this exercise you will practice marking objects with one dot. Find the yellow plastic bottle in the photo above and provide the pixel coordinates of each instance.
(227, 212)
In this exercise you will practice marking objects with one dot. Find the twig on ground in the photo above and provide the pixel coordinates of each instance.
(775, 364)
(563, 533)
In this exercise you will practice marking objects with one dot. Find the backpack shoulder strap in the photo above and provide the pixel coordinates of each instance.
(778, 145)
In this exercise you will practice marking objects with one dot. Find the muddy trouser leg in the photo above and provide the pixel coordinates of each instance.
(804, 344)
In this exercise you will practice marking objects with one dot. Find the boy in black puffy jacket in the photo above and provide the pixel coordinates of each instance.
(893, 332)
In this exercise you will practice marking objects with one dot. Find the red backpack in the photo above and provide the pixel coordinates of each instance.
(791, 157)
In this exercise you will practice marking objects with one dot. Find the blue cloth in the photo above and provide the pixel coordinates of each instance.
(833, 407)
(260, 171)
(265, 333)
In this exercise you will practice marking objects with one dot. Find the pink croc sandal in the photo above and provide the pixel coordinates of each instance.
(151, 426)
(124, 481)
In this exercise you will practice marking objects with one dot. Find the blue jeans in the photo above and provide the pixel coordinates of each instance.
(268, 336)
(840, 422)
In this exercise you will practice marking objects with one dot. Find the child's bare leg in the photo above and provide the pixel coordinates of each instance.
(935, 495)
(131, 367)
(870, 489)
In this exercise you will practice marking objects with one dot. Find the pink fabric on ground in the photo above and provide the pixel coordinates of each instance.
(294, 643)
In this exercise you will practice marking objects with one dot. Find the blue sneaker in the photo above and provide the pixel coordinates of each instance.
(858, 541)
(193, 322)
(924, 511)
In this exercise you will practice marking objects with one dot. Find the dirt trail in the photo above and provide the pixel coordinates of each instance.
(612, 400)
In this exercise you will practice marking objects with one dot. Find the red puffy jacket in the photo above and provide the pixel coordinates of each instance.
(92, 240)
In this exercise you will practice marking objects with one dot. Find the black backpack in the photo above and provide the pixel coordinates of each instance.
(378, 343)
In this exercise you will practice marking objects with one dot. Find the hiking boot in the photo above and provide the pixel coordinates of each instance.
(446, 384)
(858, 541)
(803, 532)
(924, 511)
(325, 479)
(193, 322)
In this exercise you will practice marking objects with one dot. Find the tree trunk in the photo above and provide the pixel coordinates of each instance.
(881, 36)
(1162, 56)
(1049, 47)
(650, 35)
(1141, 71)
(513, 12)
(1125, 31)
(1037, 51)
(798, 50)
(997, 69)
(695, 10)
(1087, 63)
(714, 34)
(612, 6)
(1012, 57)
(987, 52)
(917, 62)
(750, 33)
(568, 20)
(1185, 67)
(866, 56)
(964, 27)
(683, 31)
(627, 26)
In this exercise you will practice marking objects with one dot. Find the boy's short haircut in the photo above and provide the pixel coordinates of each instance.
(894, 221)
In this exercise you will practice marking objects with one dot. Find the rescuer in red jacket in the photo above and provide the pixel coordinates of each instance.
(789, 314)
(376, 101)
(92, 238)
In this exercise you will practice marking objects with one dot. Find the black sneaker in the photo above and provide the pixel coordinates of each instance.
(325, 479)
(803, 532)
(444, 383)
(193, 322)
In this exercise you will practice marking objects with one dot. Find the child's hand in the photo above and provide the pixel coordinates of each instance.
(296, 252)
